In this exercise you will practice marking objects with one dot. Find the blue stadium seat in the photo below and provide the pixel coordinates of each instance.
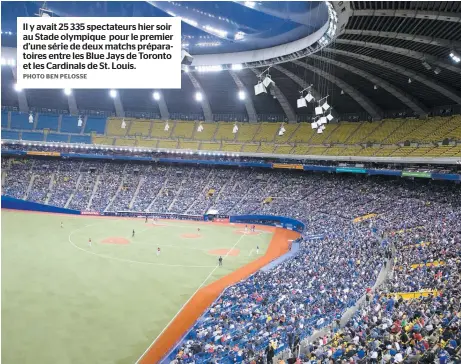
(53, 137)
(69, 124)
(9, 134)
(95, 124)
(47, 122)
(4, 119)
(33, 136)
(20, 120)
(86, 139)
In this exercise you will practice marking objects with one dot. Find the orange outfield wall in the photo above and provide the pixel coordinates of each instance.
(205, 296)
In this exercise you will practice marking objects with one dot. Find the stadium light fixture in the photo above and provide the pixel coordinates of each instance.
(156, 95)
(314, 125)
(330, 117)
(325, 106)
(236, 67)
(318, 110)
(167, 127)
(17, 88)
(409, 80)
(268, 81)
(235, 129)
(241, 95)
(455, 57)
(123, 125)
(260, 88)
(200, 128)
(198, 96)
(31, 118)
(67, 91)
(301, 102)
(80, 121)
(437, 70)
(309, 97)
(113, 94)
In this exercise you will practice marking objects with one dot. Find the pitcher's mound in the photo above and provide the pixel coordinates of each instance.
(191, 236)
(243, 232)
(229, 252)
(115, 240)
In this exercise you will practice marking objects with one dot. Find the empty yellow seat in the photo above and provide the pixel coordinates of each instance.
(103, 140)
(210, 146)
(247, 131)
(225, 131)
(158, 129)
(114, 126)
(124, 142)
(140, 127)
(250, 148)
(230, 147)
(169, 144)
(183, 129)
(267, 132)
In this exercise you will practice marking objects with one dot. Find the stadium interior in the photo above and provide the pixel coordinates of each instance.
(356, 135)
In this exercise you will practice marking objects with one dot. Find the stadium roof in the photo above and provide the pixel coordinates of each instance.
(389, 57)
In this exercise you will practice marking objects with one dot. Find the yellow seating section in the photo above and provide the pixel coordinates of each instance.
(247, 131)
(401, 134)
(321, 138)
(362, 133)
(283, 149)
(352, 151)
(124, 142)
(383, 130)
(301, 150)
(386, 152)
(103, 140)
(140, 127)
(402, 152)
(455, 134)
(289, 130)
(303, 133)
(420, 152)
(183, 129)
(225, 131)
(184, 144)
(229, 147)
(209, 129)
(266, 148)
(148, 143)
(298, 139)
(210, 146)
(367, 152)
(267, 132)
(250, 148)
(114, 126)
(167, 144)
(342, 132)
(317, 150)
(158, 129)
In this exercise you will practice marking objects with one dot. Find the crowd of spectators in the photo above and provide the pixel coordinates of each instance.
(418, 223)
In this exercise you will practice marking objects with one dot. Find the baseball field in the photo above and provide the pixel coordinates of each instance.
(64, 301)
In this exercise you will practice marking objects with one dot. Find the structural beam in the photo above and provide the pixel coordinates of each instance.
(418, 14)
(22, 99)
(162, 106)
(251, 111)
(73, 109)
(393, 90)
(372, 109)
(444, 90)
(410, 37)
(204, 103)
(287, 109)
(119, 111)
(402, 51)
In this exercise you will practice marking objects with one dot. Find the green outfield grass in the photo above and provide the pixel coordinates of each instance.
(65, 302)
